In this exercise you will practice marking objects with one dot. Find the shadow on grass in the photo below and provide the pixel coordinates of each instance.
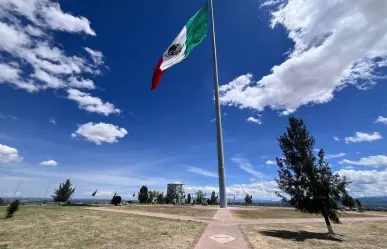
(300, 235)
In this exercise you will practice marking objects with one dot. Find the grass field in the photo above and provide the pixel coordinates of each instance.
(365, 235)
(75, 227)
(285, 213)
(176, 210)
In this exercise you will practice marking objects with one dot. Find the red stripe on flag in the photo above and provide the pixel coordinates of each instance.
(157, 75)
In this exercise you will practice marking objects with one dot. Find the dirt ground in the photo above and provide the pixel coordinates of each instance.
(367, 235)
(176, 210)
(285, 213)
(74, 227)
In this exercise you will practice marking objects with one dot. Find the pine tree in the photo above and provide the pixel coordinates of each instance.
(64, 192)
(143, 195)
(199, 196)
(348, 201)
(308, 180)
(359, 205)
(213, 198)
(160, 198)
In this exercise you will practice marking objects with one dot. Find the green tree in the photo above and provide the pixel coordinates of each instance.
(199, 196)
(64, 192)
(143, 195)
(189, 198)
(152, 195)
(12, 208)
(160, 198)
(2, 203)
(248, 199)
(359, 205)
(307, 182)
(213, 198)
(348, 201)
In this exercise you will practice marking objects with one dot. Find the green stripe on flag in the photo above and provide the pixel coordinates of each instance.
(197, 29)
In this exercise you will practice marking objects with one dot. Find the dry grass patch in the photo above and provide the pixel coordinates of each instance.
(74, 227)
(175, 210)
(285, 213)
(367, 235)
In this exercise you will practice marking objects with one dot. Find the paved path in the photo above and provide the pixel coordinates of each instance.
(222, 230)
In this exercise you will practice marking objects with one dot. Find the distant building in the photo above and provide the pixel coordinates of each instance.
(175, 192)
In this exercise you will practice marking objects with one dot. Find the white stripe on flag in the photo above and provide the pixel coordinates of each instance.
(168, 60)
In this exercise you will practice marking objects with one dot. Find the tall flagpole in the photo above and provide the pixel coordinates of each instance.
(222, 180)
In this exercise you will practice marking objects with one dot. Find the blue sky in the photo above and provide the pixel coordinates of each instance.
(76, 102)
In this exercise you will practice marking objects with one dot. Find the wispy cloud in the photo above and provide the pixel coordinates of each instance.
(270, 162)
(334, 155)
(202, 172)
(245, 165)
(49, 163)
(336, 139)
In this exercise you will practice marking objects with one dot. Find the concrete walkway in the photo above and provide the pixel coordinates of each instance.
(222, 234)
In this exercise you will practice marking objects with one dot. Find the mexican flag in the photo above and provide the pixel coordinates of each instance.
(192, 35)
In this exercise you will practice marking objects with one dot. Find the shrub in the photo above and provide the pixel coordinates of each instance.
(12, 208)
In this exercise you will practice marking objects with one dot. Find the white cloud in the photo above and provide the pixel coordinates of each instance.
(100, 133)
(27, 31)
(374, 161)
(363, 137)
(96, 56)
(9, 154)
(336, 139)
(92, 104)
(270, 162)
(334, 155)
(202, 172)
(369, 182)
(353, 29)
(49, 163)
(245, 165)
(56, 19)
(271, 2)
(381, 119)
(11, 74)
(52, 121)
(81, 83)
(254, 120)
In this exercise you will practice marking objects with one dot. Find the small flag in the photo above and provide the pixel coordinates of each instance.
(193, 33)
(95, 192)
